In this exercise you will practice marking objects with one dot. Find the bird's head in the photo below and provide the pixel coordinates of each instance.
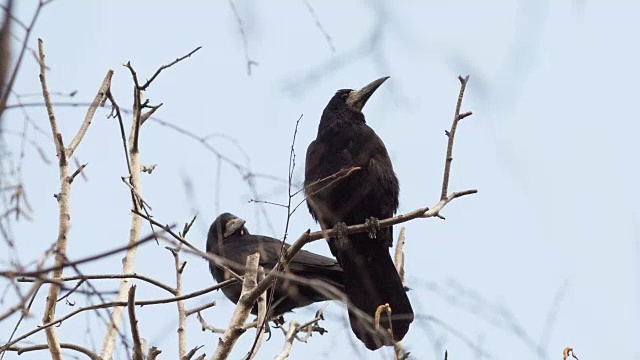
(226, 225)
(347, 104)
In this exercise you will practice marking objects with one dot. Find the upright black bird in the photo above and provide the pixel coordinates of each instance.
(344, 140)
(229, 239)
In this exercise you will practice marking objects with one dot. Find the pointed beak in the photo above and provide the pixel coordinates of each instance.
(358, 98)
(232, 226)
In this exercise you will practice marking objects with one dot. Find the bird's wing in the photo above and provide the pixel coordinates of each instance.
(306, 261)
(237, 248)
(312, 173)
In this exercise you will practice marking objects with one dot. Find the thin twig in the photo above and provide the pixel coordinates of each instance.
(207, 326)
(133, 322)
(451, 135)
(163, 67)
(250, 62)
(77, 172)
(103, 276)
(199, 308)
(100, 96)
(38, 272)
(23, 349)
(117, 304)
(324, 32)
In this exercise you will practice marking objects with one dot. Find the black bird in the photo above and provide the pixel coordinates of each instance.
(344, 140)
(229, 239)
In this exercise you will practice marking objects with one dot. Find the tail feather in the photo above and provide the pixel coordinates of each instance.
(371, 280)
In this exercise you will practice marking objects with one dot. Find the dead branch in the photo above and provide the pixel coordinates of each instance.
(133, 163)
(13, 274)
(100, 277)
(242, 310)
(117, 304)
(262, 320)
(23, 349)
(399, 254)
(134, 232)
(192, 353)
(206, 326)
(182, 316)
(63, 196)
(135, 334)
(398, 351)
(163, 67)
(451, 134)
(199, 308)
(100, 96)
(288, 341)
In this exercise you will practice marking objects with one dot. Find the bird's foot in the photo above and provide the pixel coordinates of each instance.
(373, 226)
(278, 321)
(341, 235)
(267, 330)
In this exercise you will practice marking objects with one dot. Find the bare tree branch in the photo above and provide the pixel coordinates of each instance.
(242, 310)
(23, 349)
(398, 351)
(250, 62)
(128, 262)
(199, 308)
(163, 67)
(102, 276)
(399, 254)
(117, 304)
(451, 134)
(182, 316)
(16, 68)
(64, 216)
(135, 334)
(262, 320)
(100, 96)
(37, 272)
(288, 342)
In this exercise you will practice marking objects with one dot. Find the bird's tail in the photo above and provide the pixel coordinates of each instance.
(371, 280)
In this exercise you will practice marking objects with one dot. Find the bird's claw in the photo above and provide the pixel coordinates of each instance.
(373, 226)
(267, 330)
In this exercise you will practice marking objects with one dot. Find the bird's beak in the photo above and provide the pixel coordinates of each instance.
(358, 98)
(233, 225)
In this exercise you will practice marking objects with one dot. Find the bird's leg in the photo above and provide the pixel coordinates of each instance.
(267, 328)
(341, 235)
(373, 226)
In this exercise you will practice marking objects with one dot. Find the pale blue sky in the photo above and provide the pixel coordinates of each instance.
(551, 148)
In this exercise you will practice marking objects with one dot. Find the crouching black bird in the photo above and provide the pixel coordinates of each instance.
(229, 239)
(344, 140)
